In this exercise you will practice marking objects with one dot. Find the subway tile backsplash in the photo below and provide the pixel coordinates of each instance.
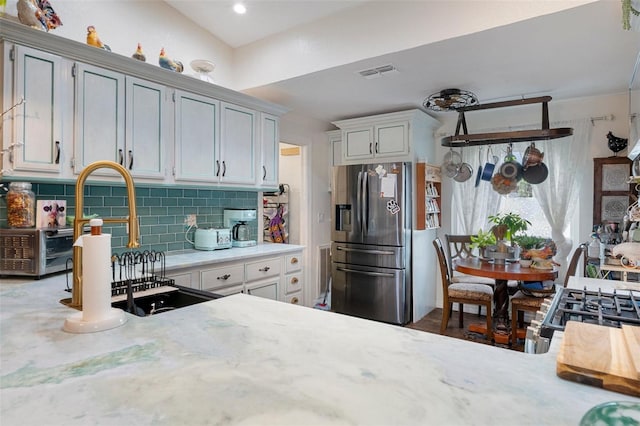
(161, 211)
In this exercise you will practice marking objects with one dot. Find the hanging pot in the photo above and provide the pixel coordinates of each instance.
(511, 169)
(489, 166)
(536, 174)
(464, 173)
(532, 156)
(451, 163)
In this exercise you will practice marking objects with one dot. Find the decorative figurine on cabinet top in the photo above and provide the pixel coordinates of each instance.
(169, 64)
(38, 14)
(615, 143)
(139, 54)
(94, 40)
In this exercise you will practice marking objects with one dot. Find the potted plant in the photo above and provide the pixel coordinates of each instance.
(527, 243)
(482, 240)
(507, 225)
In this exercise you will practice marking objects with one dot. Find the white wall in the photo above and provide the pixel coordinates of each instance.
(122, 24)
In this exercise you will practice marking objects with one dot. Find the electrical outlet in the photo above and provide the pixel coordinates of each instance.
(190, 220)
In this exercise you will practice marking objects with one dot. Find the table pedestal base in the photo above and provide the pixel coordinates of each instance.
(501, 337)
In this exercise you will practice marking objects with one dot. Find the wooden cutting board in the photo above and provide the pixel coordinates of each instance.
(605, 357)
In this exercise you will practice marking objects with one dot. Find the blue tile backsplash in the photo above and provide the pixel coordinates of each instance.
(161, 211)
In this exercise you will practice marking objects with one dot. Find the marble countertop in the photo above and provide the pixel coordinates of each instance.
(192, 258)
(244, 360)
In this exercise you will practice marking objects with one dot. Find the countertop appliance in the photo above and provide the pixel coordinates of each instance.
(611, 308)
(212, 238)
(238, 221)
(371, 241)
(35, 252)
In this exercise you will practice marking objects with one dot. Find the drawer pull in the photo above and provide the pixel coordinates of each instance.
(294, 260)
(294, 280)
(294, 300)
(224, 277)
(265, 269)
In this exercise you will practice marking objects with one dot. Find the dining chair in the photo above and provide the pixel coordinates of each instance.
(520, 302)
(459, 247)
(461, 293)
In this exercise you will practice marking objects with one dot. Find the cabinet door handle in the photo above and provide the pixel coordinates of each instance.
(370, 148)
(377, 148)
(224, 277)
(217, 167)
(264, 172)
(57, 152)
(294, 300)
(265, 269)
(294, 280)
(294, 260)
(121, 156)
(224, 168)
(130, 160)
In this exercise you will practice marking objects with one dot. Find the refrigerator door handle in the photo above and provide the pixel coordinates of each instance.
(383, 252)
(371, 274)
(365, 203)
(359, 202)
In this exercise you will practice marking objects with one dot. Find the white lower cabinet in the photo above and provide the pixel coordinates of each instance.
(220, 277)
(272, 277)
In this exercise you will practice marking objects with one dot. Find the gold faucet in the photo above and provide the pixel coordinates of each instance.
(79, 221)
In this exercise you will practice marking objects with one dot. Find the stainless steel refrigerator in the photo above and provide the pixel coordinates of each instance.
(371, 241)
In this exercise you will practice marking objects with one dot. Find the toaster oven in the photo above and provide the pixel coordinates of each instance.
(35, 252)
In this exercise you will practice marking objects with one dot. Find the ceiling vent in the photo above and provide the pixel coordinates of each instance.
(378, 71)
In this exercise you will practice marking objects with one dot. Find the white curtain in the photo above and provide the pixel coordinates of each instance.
(471, 205)
(567, 160)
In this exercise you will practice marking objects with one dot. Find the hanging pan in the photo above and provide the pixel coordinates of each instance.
(536, 174)
(451, 163)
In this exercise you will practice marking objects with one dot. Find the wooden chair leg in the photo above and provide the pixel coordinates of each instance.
(479, 310)
(514, 324)
(489, 323)
(446, 313)
(460, 315)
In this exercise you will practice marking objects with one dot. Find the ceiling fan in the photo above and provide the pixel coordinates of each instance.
(450, 100)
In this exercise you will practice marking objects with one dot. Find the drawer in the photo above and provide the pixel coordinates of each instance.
(292, 263)
(228, 291)
(294, 299)
(263, 269)
(211, 279)
(293, 283)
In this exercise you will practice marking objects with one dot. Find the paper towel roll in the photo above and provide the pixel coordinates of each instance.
(96, 277)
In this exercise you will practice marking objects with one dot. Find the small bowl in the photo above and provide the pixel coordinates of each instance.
(526, 263)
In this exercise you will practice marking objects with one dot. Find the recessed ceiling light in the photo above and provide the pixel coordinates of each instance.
(239, 8)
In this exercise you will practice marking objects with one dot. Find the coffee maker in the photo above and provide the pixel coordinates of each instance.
(238, 220)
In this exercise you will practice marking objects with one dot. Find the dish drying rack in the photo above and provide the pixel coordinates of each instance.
(144, 270)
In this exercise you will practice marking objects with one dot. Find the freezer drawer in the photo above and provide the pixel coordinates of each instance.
(378, 294)
(368, 255)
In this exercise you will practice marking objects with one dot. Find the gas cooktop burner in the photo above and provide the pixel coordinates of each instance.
(598, 303)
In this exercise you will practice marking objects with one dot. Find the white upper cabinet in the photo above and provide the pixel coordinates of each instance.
(197, 156)
(269, 149)
(398, 136)
(146, 128)
(121, 119)
(99, 116)
(84, 105)
(238, 144)
(35, 141)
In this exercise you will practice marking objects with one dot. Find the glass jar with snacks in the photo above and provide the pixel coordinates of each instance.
(21, 205)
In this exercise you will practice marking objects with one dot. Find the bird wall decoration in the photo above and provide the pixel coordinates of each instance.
(170, 64)
(38, 14)
(94, 40)
(139, 54)
(615, 143)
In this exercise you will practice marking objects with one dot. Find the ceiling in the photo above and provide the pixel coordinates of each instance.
(570, 54)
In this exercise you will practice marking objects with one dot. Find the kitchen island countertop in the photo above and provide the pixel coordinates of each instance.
(247, 360)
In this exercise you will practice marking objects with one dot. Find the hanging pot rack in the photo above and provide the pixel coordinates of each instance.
(545, 133)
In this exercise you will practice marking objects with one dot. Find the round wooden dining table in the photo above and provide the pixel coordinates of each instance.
(502, 273)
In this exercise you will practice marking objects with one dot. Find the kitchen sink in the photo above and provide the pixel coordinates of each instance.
(174, 298)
